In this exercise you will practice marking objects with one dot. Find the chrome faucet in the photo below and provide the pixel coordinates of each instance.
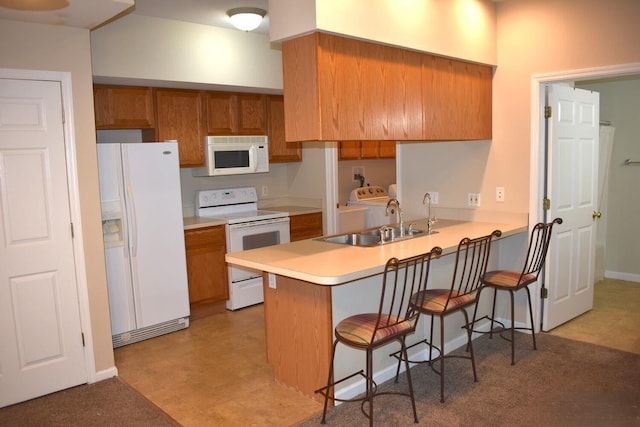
(399, 214)
(430, 220)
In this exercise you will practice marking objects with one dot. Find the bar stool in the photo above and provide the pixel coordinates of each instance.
(513, 281)
(393, 321)
(471, 261)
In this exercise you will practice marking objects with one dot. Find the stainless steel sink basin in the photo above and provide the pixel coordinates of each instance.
(354, 239)
(373, 237)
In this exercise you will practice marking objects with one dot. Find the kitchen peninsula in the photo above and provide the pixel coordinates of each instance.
(310, 285)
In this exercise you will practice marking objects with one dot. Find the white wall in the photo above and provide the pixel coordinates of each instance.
(65, 49)
(620, 104)
(452, 169)
(145, 48)
(459, 28)
(536, 37)
(380, 172)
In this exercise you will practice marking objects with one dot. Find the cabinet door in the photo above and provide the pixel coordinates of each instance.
(339, 88)
(180, 115)
(252, 114)
(456, 98)
(349, 150)
(369, 149)
(305, 226)
(123, 107)
(387, 150)
(355, 150)
(222, 113)
(206, 268)
(279, 149)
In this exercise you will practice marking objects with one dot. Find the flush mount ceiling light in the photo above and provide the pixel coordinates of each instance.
(246, 18)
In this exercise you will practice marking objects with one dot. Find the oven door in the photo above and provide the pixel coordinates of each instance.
(253, 235)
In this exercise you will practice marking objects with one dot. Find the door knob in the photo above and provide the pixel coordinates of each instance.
(596, 214)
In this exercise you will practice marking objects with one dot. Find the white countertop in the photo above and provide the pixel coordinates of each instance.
(293, 210)
(326, 263)
(193, 222)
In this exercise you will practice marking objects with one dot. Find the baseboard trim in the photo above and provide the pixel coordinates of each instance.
(630, 277)
(106, 374)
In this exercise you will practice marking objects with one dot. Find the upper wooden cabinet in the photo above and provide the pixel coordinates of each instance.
(356, 150)
(236, 113)
(279, 149)
(189, 115)
(456, 99)
(179, 117)
(338, 89)
(123, 107)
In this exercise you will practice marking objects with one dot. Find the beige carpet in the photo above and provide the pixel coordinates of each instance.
(106, 403)
(563, 383)
(614, 320)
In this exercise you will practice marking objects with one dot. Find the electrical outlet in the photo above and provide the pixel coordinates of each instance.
(265, 191)
(434, 197)
(473, 199)
(499, 194)
(357, 172)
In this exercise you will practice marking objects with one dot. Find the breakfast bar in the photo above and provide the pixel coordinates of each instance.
(310, 285)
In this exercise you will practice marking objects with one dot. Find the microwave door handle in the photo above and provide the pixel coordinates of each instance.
(253, 157)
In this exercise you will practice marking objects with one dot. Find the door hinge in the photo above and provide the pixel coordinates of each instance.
(72, 233)
(82, 334)
(544, 293)
(546, 204)
(547, 111)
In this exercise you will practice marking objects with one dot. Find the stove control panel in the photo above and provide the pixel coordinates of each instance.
(224, 197)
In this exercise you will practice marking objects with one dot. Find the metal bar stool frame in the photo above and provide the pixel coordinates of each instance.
(472, 257)
(513, 281)
(393, 321)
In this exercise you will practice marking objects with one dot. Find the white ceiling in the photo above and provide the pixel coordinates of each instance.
(91, 13)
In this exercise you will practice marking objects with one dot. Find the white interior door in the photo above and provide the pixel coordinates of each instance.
(42, 349)
(572, 174)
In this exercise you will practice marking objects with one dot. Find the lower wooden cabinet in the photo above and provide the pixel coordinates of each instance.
(206, 267)
(305, 226)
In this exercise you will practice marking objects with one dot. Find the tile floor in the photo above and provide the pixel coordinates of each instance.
(215, 372)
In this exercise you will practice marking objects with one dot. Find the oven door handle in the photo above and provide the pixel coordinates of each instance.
(259, 223)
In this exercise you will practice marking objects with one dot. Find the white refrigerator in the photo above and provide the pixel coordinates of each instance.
(144, 239)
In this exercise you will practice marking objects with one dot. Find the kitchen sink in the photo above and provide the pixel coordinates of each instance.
(373, 236)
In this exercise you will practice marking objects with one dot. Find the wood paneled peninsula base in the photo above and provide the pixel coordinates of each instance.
(310, 285)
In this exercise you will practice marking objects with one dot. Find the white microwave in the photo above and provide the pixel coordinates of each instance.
(235, 155)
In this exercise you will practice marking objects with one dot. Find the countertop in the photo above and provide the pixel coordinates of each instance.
(293, 210)
(193, 222)
(327, 263)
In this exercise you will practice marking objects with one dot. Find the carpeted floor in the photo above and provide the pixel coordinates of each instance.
(563, 383)
(106, 403)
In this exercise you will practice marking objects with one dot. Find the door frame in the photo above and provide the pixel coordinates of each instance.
(537, 146)
(64, 78)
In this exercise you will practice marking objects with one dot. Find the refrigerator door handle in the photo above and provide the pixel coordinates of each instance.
(132, 227)
(130, 202)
